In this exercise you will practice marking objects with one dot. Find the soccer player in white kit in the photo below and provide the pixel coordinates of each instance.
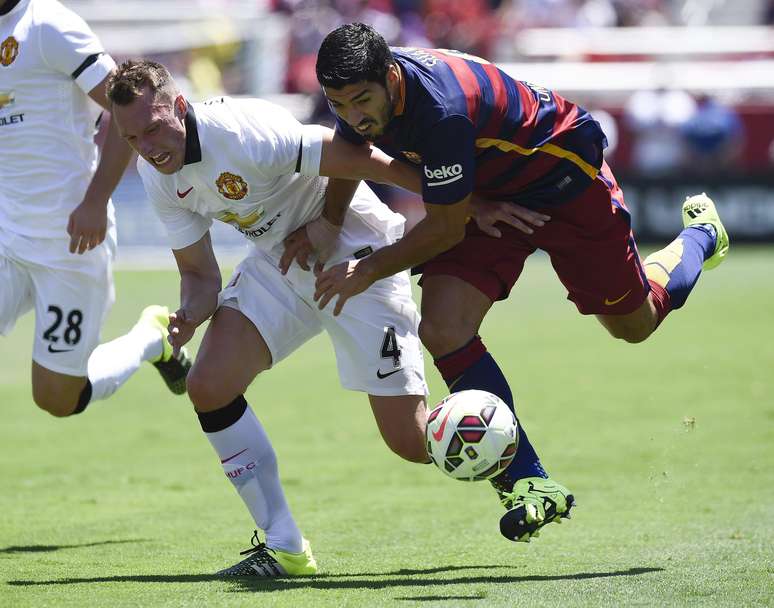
(250, 164)
(51, 63)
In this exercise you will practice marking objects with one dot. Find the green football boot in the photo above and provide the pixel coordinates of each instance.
(700, 209)
(533, 503)
(173, 368)
(265, 562)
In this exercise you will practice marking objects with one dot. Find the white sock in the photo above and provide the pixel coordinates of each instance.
(111, 364)
(250, 463)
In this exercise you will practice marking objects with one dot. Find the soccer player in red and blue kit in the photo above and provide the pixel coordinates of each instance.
(470, 128)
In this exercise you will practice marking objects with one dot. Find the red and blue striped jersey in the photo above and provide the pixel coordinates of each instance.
(471, 127)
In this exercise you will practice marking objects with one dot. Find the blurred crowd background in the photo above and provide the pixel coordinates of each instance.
(684, 89)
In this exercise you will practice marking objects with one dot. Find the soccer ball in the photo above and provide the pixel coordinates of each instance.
(471, 435)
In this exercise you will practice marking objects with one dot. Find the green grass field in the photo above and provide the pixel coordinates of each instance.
(126, 505)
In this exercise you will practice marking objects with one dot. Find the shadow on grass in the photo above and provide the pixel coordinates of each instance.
(440, 598)
(50, 548)
(342, 581)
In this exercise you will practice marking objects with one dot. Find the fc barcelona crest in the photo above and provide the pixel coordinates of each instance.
(233, 187)
(412, 156)
(9, 50)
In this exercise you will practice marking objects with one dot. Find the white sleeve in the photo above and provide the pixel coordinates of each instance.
(311, 150)
(69, 46)
(278, 144)
(184, 227)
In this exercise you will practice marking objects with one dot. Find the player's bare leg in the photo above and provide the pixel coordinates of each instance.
(232, 354)
(452, 313)
(402, 420)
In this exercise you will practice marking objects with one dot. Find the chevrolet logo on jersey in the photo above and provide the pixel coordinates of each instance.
(241, 222)
(9, 50)
(6, 98)
(233, 187)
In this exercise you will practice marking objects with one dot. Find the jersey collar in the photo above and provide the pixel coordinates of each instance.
(401, 106)
(193, 149)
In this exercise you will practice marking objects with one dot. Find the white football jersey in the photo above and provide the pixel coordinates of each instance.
(251, 164)
(49, 61)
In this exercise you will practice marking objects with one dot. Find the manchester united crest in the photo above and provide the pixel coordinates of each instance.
(233, 187)
(9, 50)
(412, 156)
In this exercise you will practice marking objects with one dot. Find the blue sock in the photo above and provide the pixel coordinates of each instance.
(471, 367)
(677, 267)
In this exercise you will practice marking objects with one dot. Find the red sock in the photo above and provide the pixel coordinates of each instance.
(452, 365)
(661, 300)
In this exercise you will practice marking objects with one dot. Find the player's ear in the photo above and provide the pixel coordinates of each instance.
(181, 106)
(393, 77)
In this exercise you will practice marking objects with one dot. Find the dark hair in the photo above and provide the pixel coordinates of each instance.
(127, 83)
(353, 53)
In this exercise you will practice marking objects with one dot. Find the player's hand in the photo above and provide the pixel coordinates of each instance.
(298, 247)
(181, 329)
(319, 238)
(87, 226)
(343, 280)
(488, 213)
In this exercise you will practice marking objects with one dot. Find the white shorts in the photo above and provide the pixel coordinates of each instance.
(71, 295)
(375, 337)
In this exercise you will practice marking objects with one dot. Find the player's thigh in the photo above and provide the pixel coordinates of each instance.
(593, 251)
(231, 354)
(71, 303)
(376, 340)
(272, 302)
(402, 420)
(452, 312)
(16, 293)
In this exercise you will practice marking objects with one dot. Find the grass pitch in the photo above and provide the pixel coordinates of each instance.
(667, 445)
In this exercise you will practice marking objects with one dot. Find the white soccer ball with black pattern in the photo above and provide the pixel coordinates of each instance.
(471, 435)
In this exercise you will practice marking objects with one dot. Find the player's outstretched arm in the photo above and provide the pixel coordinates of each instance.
(200, 283)
(87, 224)
(343, 159)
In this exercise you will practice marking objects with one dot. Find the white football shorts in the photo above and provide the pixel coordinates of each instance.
(71, 295)
(375, 337)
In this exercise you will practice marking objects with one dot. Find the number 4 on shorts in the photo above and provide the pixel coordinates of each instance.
(390, 348)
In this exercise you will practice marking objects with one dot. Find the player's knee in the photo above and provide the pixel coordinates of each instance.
(202, 389)
(630, 334)
(209, 389)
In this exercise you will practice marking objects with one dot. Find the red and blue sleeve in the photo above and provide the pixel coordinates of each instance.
(448, 161)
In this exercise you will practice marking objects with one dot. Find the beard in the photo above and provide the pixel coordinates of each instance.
(386, 116)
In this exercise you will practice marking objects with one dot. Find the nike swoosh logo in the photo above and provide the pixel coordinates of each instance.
(184, 194)
(382, 376)
(611, 302)
(51, 349)
(234, 456)
(437, 436)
